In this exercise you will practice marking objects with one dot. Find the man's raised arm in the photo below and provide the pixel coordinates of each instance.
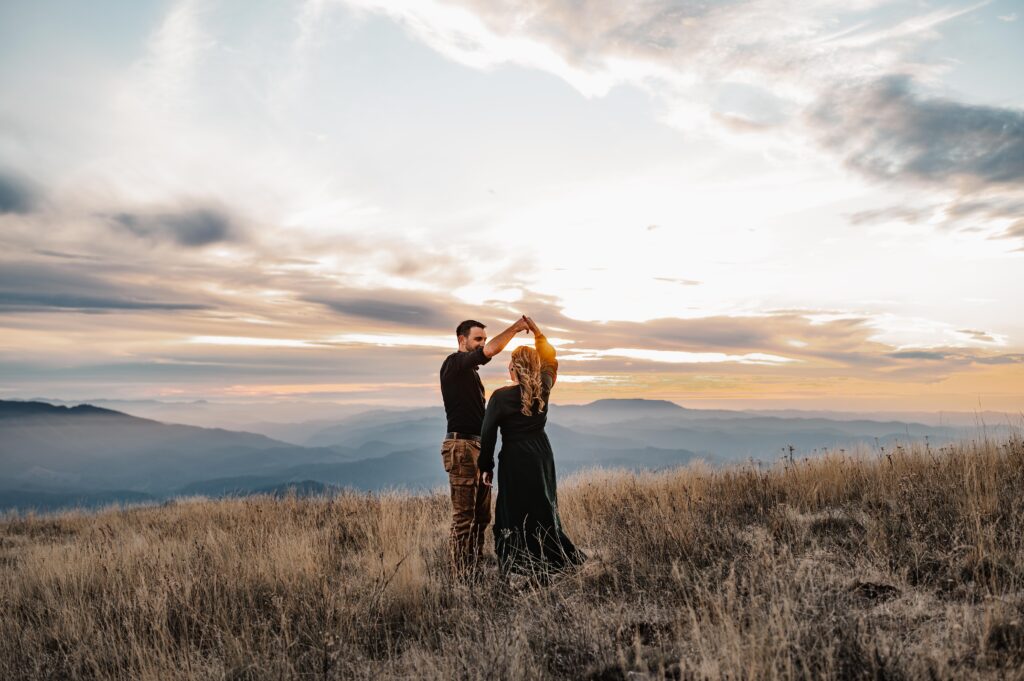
(498, 343)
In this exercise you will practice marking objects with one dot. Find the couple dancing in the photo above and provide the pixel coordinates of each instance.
(528, 535)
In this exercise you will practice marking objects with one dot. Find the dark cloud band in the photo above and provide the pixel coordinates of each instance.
(40, 287)
(398, 307)
(195, 227)
(14, 302)
(884, 130)
(16, 195)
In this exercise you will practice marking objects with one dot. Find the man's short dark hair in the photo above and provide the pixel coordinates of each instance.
(463, 328)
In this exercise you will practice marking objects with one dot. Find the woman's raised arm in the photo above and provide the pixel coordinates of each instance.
(548, 363)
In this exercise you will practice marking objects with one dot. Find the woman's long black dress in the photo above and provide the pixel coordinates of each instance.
(528, 534)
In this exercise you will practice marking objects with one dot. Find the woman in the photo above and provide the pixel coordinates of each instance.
(528, 535)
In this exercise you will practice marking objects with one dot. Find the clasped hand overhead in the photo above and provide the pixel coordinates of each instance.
(527, 324)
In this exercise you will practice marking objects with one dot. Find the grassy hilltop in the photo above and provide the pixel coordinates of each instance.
(895, 564)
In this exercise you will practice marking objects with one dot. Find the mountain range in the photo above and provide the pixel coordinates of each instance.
(52, 456)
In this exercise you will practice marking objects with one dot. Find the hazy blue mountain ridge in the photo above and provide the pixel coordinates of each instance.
(98, 453)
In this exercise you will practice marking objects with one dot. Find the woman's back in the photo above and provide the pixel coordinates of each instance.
(513, 423)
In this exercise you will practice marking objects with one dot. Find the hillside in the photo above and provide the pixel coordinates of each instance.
(55, 456)
(85, 450)
(896, 564)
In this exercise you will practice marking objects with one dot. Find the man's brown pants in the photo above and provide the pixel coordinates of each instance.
(471, 503)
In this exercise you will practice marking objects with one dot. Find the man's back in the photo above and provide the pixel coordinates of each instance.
(463, 391)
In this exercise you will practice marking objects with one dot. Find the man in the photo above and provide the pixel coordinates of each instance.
(463, 394)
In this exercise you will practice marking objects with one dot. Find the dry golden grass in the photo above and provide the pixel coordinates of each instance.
(881, 565)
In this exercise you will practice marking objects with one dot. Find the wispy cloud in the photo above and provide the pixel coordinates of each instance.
(317, 390)
(678, 357)
(909, 27)
(677, 43)
(998, 212)
(164, 76)
(253, 341)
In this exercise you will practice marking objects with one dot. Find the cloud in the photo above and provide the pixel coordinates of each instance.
(908, 214)
(977, 335)
(406, 308)
(253, 341)
(194, 227)
(837, 75)
(677, 357)
(164, 74)
(16, 195)
(1015, 232)
(598, 44)
(849, 68)
(974, 155)
(681, 282)
(919, 354)
(941, 363)
(615, 345)
(736, 333)
(409, 328)
(12, 301)
(64, 256)
(809, 342)
(40, 288)
(992, 207)
(1005, 211)
(998, 212)
(694, 57)
(883, 129)
(1010, 358)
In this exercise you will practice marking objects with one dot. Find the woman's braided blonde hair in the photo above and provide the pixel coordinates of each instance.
(526, 369)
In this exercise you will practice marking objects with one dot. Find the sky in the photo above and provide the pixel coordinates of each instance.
(737, 204)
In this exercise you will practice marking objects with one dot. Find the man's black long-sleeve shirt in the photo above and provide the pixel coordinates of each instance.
(463, 391)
